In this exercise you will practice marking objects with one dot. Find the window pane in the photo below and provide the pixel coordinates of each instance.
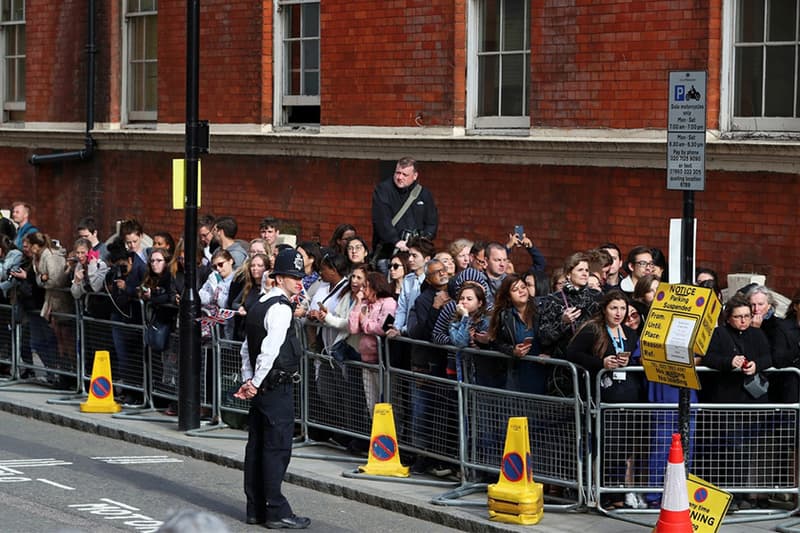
(11, 41)
(490, 26)
(488, 83)
(137, 39)
(779, 88)
(148, 5)
(6, 12)
(151, 37)
(137, 86)
(293, 21)
(151, 86)
(747, 86)
(20, 95)
(310, 20)
(311, 54)
(18, 11)
(515, 27)
(782, 20)
(751, 21)
(311, 83)
(11, 81)
(21, 39)
(513, 89)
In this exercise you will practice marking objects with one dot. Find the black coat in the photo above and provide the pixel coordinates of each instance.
(555, 334)
(421, 217)
(421, 320)
(728, 385)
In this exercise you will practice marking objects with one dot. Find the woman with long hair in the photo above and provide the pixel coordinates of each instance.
(605, 343)
(398, 267)
(254, 269)
(513, 330)
(342, 234)
(214, 292)
(373, 305)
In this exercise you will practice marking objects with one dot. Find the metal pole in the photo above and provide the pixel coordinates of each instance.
(687, 278)
(189, 364)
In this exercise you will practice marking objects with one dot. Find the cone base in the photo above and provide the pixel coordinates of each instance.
(384, 470)
(674, 522)
(94, 407)
(521, 492)
(521, 519)
(515, 508)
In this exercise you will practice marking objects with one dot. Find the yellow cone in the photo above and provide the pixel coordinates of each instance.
(516, 498)
(101, 390)
(384, 459)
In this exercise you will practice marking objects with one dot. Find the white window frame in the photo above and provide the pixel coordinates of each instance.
(475, 122)
(728, 122)
(281, 75)
(129, 114)
(12, 106)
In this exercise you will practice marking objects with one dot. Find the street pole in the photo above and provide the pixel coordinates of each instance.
(189, 364)
(687, 275)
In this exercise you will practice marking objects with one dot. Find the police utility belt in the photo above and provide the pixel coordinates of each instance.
(276, 377)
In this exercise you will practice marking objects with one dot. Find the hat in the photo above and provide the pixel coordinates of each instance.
(288, 263)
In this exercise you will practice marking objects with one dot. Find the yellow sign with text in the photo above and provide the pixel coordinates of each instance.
(679, 325)
(707, 505)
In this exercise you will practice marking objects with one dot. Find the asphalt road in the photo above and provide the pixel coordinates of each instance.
(54, 478)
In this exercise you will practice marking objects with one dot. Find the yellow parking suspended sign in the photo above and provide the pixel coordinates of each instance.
(679, 325)
(707, 504)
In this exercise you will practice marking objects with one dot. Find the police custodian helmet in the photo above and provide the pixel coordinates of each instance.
(288, 263)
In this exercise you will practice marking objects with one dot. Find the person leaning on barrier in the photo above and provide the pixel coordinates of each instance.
(791, 329)
(270, 366)
(605, 343)
(514, 331)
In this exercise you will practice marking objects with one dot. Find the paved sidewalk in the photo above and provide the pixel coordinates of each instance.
(226, 447)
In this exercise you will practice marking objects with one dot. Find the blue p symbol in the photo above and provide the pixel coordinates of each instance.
(680, 93)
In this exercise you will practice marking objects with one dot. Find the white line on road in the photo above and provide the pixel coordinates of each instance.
(59, 485)
(140, 459)
(25, 463)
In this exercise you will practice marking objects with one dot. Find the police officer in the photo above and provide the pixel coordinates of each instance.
(270, 363)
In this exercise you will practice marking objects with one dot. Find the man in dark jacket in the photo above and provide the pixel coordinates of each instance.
(420, 218)
(426, 359)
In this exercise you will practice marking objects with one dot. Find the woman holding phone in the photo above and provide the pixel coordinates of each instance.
(604, 346)
(514, 330)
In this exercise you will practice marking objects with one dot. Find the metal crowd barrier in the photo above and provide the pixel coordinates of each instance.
(583, 447)
(746, 449)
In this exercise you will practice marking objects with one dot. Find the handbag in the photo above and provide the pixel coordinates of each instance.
(157, 336)
(756, 385)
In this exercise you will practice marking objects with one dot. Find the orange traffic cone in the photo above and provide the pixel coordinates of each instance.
(674, 517)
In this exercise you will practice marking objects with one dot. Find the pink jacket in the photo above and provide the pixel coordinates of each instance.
(370, 325)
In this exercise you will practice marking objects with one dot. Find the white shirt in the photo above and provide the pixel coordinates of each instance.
(276, 321)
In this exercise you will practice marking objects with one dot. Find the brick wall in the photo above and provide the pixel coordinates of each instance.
(383, 64)
(562, 208)
(606, 64)
(231, 60)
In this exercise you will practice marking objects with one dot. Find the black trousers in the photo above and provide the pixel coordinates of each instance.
(268, 451)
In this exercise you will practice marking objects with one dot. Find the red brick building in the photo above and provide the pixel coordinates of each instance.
(549, 114)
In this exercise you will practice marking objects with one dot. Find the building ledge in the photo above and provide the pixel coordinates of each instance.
(595, 148)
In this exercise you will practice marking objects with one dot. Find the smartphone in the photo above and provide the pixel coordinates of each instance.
(388, 323)
(527, 341)
(518, 231)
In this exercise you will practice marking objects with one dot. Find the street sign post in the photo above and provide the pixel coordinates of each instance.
(686, 131)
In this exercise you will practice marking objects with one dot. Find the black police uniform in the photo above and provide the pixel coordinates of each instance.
(271, 420)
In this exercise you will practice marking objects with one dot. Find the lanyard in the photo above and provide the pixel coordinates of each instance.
(619, 343)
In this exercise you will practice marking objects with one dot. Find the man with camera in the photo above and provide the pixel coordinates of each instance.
(270, 367)
(401, 209)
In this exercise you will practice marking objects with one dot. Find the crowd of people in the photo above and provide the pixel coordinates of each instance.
(589, 310)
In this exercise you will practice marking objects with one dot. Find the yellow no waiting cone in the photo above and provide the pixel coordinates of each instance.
(101, 390)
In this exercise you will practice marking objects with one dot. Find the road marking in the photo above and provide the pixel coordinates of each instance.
(138, 459)
(114, 510)
(59, 485)
(28, 463)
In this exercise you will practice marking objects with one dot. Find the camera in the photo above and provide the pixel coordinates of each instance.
(14, 270)
(118, 271)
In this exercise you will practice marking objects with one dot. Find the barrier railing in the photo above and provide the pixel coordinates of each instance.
(584, 447)
(746, 449)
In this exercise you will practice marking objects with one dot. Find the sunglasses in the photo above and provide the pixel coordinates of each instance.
(395, 266)
(220, 264)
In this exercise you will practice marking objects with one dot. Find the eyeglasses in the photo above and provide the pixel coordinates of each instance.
(438, 272)
(395, 266)
(156, 260)
(645, 264)
(220, 264)
(355, 247)
(742, 317)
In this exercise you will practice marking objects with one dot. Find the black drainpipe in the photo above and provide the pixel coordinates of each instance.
(88, 151)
